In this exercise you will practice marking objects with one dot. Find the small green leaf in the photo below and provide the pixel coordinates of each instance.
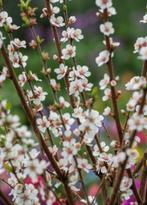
(8, 106)
(7, 167)
(24, 5)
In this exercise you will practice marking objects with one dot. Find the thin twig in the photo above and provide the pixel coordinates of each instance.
(135, 191)
(82, 181)
(121, 170)
(112, 77)
(143, 176)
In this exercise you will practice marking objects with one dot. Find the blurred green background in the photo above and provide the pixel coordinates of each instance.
(126, 24)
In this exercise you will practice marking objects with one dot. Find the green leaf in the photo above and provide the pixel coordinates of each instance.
(7, 167)
(24, 5)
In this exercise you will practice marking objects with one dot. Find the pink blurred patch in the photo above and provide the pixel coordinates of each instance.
(4, 186)
(93, 190)
(127, 202)
(38, 183)
(143, 137)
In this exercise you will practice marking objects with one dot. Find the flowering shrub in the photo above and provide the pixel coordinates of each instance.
(52, 169)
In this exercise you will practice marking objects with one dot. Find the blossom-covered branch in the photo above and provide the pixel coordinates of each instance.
(73, 140)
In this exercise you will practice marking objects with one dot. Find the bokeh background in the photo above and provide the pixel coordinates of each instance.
(127, 27)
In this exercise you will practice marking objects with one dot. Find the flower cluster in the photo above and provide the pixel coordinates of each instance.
(7, 21)
(141, 47)
(19, 155)
(107, 29)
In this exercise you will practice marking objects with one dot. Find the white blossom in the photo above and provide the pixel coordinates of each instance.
(72, 20)
(18, 43)
(71, 33)
(28, 196)
(76, 87)
(107, 111)
(136, 122)
(90, 125)
(43, 123)
(57, 21)
(125, 184)
(104, 4)
(82, 71)
(34, 168)
(125, 187)
(143, 53)
(61, 71)
(136, 83)
(140, 43)
(144, 19)
(107, 94)
(3, 17)
(1, 39)
(103, 58)
(3, 74)
(84, 164)
(18, 59)
(22, 79)
(107, 28)
(112, 11)
(37, 95)
(141, 48)
(133, 101)
(104, 82)
(63, 103)
(68, 52)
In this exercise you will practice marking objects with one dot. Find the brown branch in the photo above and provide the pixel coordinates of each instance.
(138, 167)
(144, 69)
(113, 90)
(82, 181)
(145, 195)
(59, 49)
(135, 191)
(5, 199)
(69, 194)
(126, 122)
(122, 168)
(31, 118)
(143, 176)
(54, 31)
